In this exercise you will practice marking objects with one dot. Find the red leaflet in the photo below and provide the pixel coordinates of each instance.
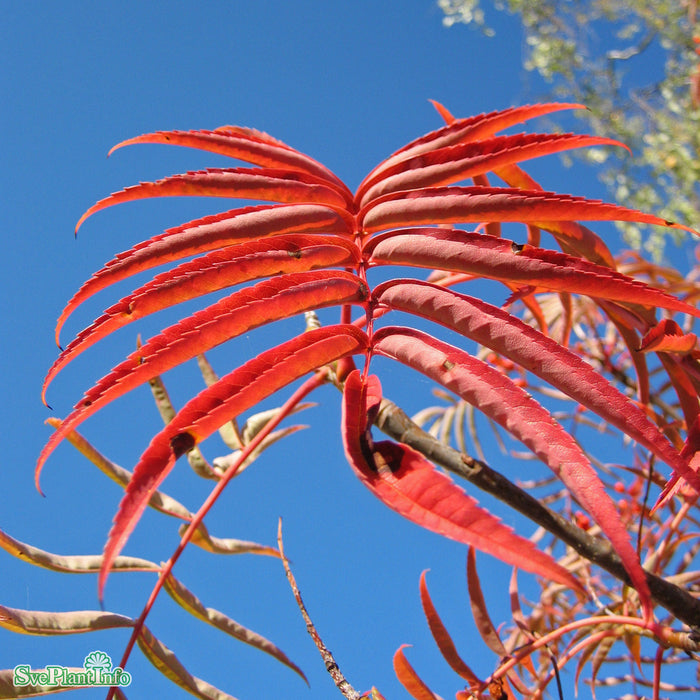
(211, 408)
(251, 147)
(397, 217)
(409, 679)
(497, 329)
(219, 269)
(242, 183)
(498, 258)
(249, 308)
(405, 481)
(480, 613)
(667, 336)
(453, 163)
(444, 205)
(442, 636)
(209, 232)
(570, 235)
(469, 130)
(511, 407)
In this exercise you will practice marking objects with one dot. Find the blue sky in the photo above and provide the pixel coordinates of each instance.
(347, 83)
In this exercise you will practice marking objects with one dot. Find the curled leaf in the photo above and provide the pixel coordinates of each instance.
(667, 336)
(406, 482)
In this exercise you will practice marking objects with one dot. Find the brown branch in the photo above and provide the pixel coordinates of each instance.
(396, 424)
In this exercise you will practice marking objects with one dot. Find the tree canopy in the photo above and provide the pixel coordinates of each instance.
(635, 65)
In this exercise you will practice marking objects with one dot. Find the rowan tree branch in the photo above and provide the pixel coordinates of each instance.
(396, 424)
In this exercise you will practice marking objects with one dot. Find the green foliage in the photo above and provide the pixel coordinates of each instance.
(595, 52)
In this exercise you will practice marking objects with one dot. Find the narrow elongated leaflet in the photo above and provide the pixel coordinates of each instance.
(495, 328)
(409, 679)
(210, 232)
(442, 637)
(217, 270)
(451, 164)
(445, 205)
(468, 130)
(251, 147)
(267, 184)
(501, 259)
(573, 237)
(219, 403)
(249, 308)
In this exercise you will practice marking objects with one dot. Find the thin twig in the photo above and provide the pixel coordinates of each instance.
(331, 666)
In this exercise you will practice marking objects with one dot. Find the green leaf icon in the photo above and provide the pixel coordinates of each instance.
(98, 660)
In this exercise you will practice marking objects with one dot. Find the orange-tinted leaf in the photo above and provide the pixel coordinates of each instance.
(409, 679)
(267, 184)
(248, 308)
(480, 611)
(231, 395)
(634, 643)
(210, 232)
(667, 336)
(571, 236)
(442, 636)
(445, 113)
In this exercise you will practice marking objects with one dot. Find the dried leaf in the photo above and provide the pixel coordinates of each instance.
(75, 564)
(169, 665)
(8, 690)
(185, 598)
(217, 545)
(57, 623)
(158, 501)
